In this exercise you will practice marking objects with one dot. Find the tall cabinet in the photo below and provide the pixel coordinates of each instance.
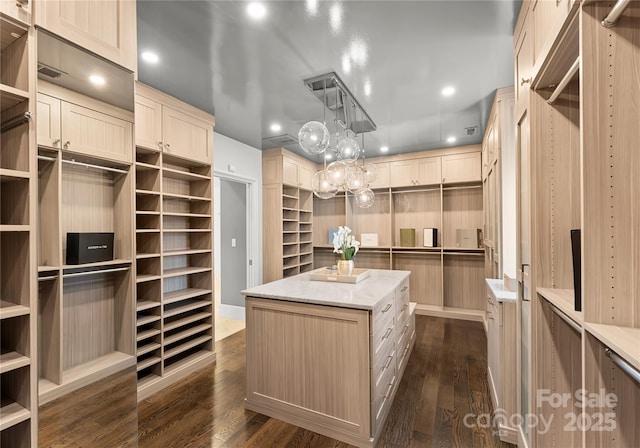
(174, 240)
(575, 121)
(18, 220)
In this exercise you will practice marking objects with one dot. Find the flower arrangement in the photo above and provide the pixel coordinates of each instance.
(345, 244)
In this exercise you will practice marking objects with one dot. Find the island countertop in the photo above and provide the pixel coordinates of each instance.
(300, 288)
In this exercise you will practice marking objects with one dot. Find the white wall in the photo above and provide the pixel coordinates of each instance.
(247, 162)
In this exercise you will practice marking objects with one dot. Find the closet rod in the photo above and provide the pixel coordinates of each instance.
(98, 167)
(565, 81)
(48, 159)
(617, 10)
(16, 121)
(415, 191)
(565, 318)
(624, 365)
(461, 188)
(100, 271)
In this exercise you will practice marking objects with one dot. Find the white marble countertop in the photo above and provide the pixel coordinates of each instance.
(499, 292)
(300, 288)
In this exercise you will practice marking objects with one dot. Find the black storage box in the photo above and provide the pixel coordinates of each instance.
(89, 247)
(577, 268)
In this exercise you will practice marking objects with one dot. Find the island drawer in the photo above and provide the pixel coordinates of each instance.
(383, 399)
(403, 287)
(383, 314)
(402, 313)
(381, 359)
(381, 339)
(404, 340)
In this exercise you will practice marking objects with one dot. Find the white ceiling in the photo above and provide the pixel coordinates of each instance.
(249, 73)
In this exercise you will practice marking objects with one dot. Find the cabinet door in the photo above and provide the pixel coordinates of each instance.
(17, 10)
(48, 121)
(523, 67)
(186, 136)
(290, 172)
(96, 134)
(429, 171)
(105, 27)
(148, 123)
(305, 176)
(382, 175)
(461, 168)
(403, 174)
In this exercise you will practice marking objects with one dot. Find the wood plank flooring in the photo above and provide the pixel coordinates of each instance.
(445, 380)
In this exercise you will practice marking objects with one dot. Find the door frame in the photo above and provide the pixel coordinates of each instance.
(250, 185)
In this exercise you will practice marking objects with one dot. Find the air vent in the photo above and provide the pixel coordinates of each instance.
(471, 131)
(279, 141)
(49, 71)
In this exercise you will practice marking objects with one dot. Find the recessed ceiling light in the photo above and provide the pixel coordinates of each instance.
(312, 7)
(346, 64)
(150, 57)
(97, 80)
(335, 17)
(275, 127)
(367, 88)
(448, 91)
(451, 139)
(256, 10)
(384, 148)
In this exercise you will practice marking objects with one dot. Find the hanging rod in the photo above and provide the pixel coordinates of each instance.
(16, 121)
(421, 190)
(98, 167)
(565, 318)
(45, 158)
(615, 13)
(565, 81)
(624, 365)
(465, 187)
(99, 271)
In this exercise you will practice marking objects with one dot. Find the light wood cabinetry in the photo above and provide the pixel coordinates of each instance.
(86, 311)
(422, 171)
(583, 177)
(18, 10)
(300, 354)
(176, 128)
(287, 202)
(107, 28)
(82, 125)
(458, 168)
(446, 280)
(18, 241)
(382, 175)
(174, 256)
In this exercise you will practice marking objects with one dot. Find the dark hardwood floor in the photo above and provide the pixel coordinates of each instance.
(445, 380)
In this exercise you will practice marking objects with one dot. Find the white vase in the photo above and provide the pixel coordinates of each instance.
(345, 267)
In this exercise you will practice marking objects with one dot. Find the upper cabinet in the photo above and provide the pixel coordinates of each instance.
(17, 9)
(75, 123)
(382, 175)
(166, 124)
(280, 166)
(461, 168)
(107, 28)
(523, 56)
(412, 172)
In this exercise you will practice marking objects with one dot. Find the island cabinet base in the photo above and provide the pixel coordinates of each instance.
(315, 366)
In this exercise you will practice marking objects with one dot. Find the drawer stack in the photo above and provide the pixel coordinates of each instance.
(392, 338)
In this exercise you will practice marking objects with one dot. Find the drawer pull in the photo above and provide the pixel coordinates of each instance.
(387, 308)
(404, 288)
(386, 395)
(386, 365)
(404, 307)
(387, 334)
(404, 330)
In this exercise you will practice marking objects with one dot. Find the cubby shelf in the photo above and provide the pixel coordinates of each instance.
(11, 413)
(10, 309)
(11, 360)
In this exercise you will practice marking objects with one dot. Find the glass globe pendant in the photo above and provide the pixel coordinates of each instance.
(369, 172)
(322, 185)
(337, 172)
(355, 179)
(314, 137)
(364, 198)
(348, 149)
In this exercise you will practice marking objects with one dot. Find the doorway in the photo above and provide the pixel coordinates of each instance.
(232, 253)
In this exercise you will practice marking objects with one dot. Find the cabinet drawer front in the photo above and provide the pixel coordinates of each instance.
(383, 313)
(403, 352)
(382, 338)
(96, 134)
(382, 402)
(402, 314)
(381, 360)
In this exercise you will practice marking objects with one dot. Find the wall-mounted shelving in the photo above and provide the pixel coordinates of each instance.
(18, 243)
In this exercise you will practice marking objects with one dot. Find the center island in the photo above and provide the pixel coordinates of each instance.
(328, 356)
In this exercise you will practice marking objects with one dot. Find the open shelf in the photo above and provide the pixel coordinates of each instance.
(11, 360)
(10, 309)
(184, 294)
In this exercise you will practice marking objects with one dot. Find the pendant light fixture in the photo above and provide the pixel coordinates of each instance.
(314, 136)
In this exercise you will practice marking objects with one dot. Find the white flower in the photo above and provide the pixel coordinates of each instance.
(344, 243)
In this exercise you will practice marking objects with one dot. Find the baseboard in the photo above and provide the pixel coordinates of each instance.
(232, 312)
(509, 435)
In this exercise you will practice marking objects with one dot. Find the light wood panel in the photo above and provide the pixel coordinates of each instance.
(417, 210)
(107, 28)
(375, 219)
(49, 119)
(284, 378)
(15, 142)
(14, 70)
(426, 275)
(49, 331)
(461, 168)
(610, 61)
(48, 213)
(463, 281)
(186, 136)
(462, 209)
(327, 214)
(148, 122)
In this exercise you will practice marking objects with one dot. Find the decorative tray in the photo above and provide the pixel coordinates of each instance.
(331, 275)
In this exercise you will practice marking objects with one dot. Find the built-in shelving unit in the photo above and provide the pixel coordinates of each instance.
(18, 285)
(174, 266)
